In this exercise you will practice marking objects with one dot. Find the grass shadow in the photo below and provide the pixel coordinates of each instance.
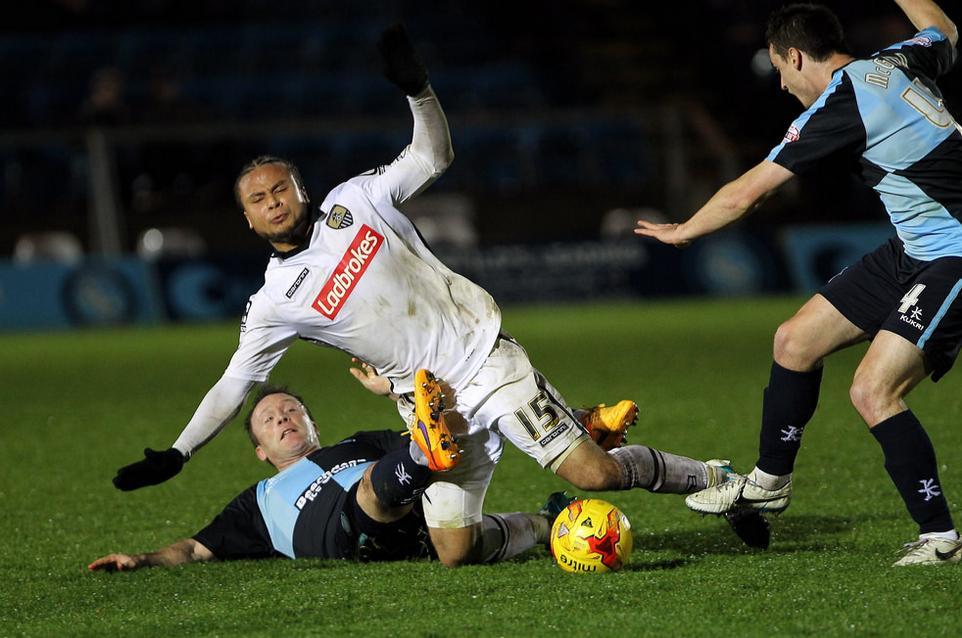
(655, 565)
(807, 532)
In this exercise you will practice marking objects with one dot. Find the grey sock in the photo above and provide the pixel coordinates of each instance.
(504, 536)
(657, 471)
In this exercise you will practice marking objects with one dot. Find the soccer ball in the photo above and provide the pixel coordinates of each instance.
(591, 535)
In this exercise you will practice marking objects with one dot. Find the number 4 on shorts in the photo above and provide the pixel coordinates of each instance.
(911, 298)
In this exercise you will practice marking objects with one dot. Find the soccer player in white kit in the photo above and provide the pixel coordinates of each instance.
(355, 274)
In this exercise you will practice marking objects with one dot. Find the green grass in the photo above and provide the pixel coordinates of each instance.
(78, 405)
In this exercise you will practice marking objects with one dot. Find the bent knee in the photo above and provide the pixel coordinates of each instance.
(449, 559)
(793, 348)
(457, 546)
(872, 399)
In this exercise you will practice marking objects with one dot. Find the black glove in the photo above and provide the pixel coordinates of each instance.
(400, 62)
(156, 468)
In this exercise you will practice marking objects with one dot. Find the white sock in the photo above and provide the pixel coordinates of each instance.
(950, 535)
(768, 481)
(504, 536)
(417, 454)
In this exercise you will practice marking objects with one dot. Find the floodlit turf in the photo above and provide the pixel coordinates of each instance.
(78, 405)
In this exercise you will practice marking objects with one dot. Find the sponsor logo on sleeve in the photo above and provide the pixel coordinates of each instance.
(247, 310)
(339, 217)
(348, 272)
(791, 135)
(297, 283)
(921, 40)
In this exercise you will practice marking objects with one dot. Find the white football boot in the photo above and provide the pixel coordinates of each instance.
(930, 551)
(749, 525)
(739, 493)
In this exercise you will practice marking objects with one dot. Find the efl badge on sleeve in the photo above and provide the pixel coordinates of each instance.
(339, 217)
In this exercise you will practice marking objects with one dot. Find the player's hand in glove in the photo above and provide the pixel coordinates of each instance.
(156, 467)
(400, 62)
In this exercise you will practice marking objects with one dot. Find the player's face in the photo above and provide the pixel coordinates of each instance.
(274, 205)
(791, 78)
(284, 431)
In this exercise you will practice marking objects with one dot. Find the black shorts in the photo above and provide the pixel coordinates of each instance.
(917, 300)
(370, 540)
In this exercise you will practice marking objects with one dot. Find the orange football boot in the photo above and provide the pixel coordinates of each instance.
(428, 428)
(607, 425)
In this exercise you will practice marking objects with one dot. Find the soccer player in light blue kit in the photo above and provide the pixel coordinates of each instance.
(884, 112)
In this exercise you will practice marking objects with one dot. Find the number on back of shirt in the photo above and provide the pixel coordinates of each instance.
(920, 98)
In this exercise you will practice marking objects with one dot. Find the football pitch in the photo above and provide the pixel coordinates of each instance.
(78, 405)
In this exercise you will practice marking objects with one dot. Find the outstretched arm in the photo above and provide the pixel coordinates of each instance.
(732, 202)
(404, 68)
(430, 152)
(219, 406)
(431, 141)
(925, 13)
(184, 551)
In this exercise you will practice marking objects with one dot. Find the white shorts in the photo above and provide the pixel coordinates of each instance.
(507, 398)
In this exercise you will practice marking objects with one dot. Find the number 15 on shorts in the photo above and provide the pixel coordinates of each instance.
(538, 418)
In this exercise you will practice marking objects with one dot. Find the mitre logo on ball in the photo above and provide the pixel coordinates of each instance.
(591, 536)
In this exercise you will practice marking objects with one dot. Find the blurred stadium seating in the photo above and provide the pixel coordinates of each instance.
(183, 105)
(559, 111)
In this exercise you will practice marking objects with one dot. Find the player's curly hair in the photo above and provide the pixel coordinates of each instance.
(263, 392)
(261, 160)
(811, 28)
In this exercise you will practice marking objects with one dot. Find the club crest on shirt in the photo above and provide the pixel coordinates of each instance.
(339, 217)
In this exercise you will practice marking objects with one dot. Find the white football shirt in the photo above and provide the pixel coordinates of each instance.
(365, 283)
(368, 285)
